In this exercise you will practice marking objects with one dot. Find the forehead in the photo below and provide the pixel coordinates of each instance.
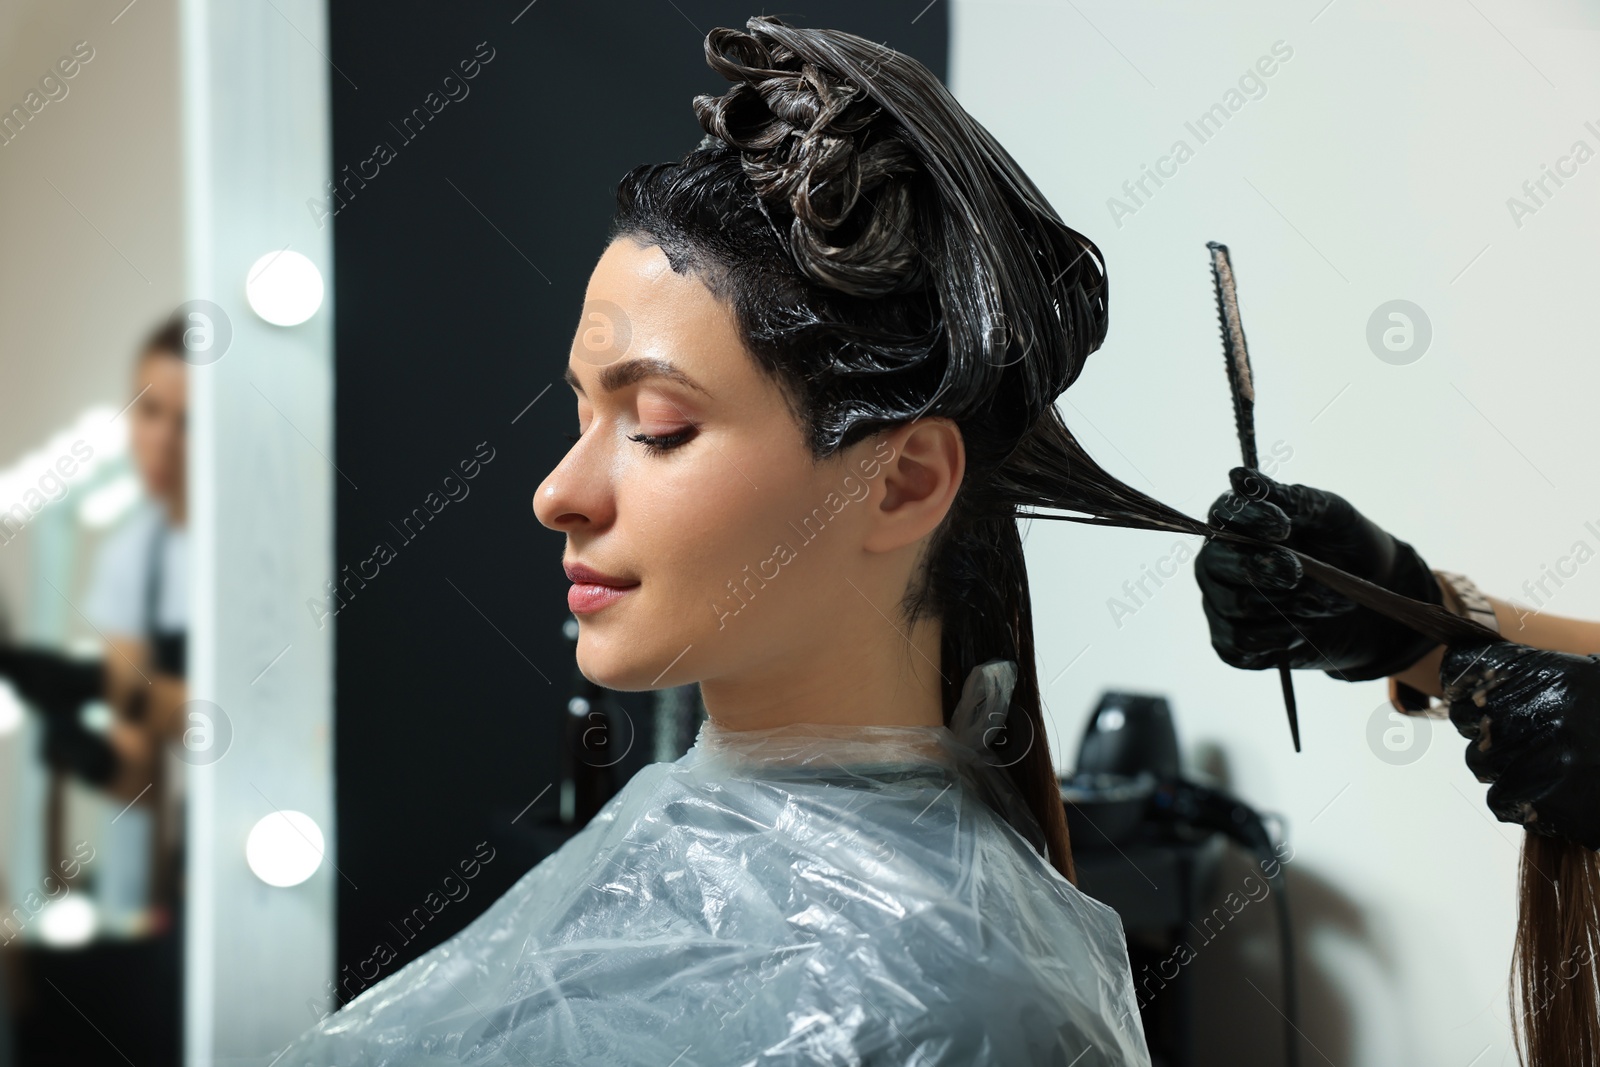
(160, 370)
(637, 305)
(640, 279)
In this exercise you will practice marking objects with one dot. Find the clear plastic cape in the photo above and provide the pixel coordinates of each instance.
(803, 895)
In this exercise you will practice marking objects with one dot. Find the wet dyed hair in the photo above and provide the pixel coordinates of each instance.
(886, 260)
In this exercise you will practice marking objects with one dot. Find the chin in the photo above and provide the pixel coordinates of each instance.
(628, 645)
(616, 662)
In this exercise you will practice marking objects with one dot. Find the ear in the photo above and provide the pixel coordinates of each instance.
(922, 466)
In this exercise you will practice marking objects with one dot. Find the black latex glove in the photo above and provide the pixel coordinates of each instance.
(1262, 608)
(1533, 718)
(51, 682)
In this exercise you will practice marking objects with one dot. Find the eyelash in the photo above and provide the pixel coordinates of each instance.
(654, 445)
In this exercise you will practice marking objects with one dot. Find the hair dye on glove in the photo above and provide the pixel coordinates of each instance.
(1533, 720)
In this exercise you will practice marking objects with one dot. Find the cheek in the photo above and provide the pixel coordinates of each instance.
(748, 526)
(141, 439)
(693, 522)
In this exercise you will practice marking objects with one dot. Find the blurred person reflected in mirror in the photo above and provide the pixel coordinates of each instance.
(137, 601)
(138, 595)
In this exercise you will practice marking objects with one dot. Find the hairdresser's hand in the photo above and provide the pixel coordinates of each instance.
(1264, 610)
(1533, 718)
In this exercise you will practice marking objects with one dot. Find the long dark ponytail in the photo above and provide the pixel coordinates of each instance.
(886, 259)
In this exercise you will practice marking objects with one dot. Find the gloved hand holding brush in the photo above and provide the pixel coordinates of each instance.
(1263, 610)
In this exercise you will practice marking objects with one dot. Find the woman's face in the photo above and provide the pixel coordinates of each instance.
(691, 490)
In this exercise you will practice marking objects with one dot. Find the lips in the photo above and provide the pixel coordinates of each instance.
(592, 590)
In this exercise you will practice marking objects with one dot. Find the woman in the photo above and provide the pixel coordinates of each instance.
(807, 359)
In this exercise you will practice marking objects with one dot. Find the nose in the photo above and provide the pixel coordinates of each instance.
(576, 495)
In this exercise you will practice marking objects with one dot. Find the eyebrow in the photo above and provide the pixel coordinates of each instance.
(616, 376)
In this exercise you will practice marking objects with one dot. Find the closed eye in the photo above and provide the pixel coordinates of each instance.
(655, 444)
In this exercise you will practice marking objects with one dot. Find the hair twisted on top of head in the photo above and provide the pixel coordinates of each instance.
(817, 149)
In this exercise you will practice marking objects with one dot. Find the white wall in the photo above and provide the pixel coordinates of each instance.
(90, 209)
(1377, 166)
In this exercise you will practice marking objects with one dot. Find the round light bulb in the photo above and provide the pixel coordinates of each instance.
(67, 922)
(10, 709)
(284, 848)
(285, 288)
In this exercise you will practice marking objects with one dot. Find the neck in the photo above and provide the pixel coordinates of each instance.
(177, 509)
(871, 675)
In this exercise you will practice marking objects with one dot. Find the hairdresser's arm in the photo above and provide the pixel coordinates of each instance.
(1534, 629)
